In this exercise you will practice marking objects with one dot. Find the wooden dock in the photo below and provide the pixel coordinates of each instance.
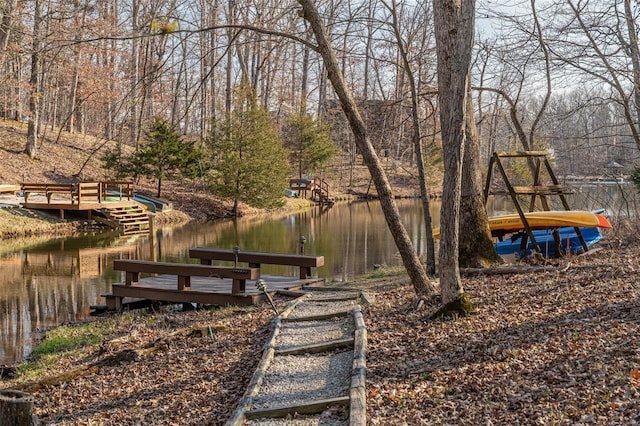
(317, 188)
(119, 211)
(9, 189)
(209, 284)
(203, 290)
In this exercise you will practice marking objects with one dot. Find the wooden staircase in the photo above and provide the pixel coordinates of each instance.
(318, 190)
(129, 220)
(320, 193)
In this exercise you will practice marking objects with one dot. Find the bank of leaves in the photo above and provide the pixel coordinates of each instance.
(167, 367)
(557, 346)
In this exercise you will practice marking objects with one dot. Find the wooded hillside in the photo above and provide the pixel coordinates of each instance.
(561, 77)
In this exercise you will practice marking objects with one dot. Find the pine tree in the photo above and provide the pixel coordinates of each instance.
(249, 162)
(310, 143)
(164, 155)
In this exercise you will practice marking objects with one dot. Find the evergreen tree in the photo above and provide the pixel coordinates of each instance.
(163, 155)
(249, 162)
(310, 143)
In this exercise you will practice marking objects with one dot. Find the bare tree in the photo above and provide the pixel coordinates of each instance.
(31, 147)
(597, 45)
(454, 27)
(476, 249)
(417, 138)
(417, 274)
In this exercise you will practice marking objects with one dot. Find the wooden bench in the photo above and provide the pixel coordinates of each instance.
(48, 189)
(255, 259)
(184, 272)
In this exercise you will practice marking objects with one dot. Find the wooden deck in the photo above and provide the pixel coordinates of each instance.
(203, 290)
(64, 205)
(208, 284)
(119, 211)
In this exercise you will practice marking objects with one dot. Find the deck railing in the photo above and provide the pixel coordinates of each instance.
(83, 192)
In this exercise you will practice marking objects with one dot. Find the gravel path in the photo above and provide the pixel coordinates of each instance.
(292, 380)
(307, 333)
(315, 387)
(312, 308)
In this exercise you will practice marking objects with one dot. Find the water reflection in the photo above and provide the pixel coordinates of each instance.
(57, 281)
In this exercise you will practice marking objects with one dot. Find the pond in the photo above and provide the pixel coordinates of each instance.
(53, 282)
(56, 281)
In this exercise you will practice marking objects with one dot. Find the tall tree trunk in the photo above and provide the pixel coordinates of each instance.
(229, 66)
(32, 130)
(634, 53)
(410, 259)
(417, 144)
(476, 249)
(7, 10)
(135, 73)
(73, 93)
(454, 26)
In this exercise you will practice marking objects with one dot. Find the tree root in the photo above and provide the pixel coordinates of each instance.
(461, 306)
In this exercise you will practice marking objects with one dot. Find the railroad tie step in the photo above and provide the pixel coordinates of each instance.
(317, 347)
(314, 407)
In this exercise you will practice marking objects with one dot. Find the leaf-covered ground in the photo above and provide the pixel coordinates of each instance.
(162, 368)
(553, 346)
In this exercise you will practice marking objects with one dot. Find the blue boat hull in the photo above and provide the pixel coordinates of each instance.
(545, 241)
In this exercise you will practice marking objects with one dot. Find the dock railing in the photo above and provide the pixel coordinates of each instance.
(122, 189)
(78, 193)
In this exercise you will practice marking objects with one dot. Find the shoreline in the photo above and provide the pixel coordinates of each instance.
(17, 222)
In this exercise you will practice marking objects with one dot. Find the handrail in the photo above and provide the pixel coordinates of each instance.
(95, 191)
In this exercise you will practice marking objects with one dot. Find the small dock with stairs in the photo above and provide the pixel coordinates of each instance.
(122, 212)
(317, 189)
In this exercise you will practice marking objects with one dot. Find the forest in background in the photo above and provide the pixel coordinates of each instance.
(557, 75)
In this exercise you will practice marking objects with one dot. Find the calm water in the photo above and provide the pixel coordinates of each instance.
(56, 281)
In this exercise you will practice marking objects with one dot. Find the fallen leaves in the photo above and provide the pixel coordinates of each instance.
(183, 377)
(545, 347)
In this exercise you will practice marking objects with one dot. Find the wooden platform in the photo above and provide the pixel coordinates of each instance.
(68, 205)
(203, 290)
(9, 189)
(120, 211)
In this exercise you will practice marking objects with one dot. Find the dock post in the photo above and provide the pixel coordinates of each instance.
(152, 237)
(302, 241)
